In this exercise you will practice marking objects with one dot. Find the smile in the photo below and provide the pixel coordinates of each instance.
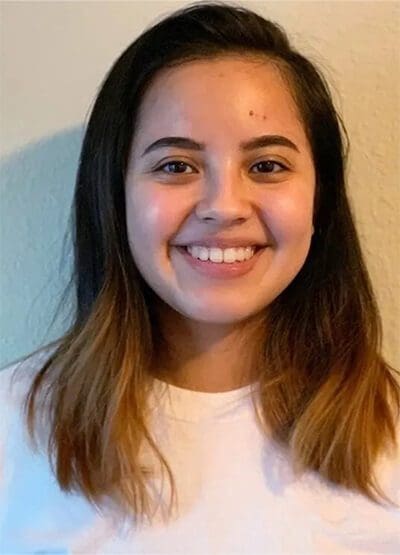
(222, 269)
(219, 256)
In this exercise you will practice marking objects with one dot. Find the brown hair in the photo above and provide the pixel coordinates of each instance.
(327, 395)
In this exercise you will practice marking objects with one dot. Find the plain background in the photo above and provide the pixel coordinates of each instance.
(54, 56)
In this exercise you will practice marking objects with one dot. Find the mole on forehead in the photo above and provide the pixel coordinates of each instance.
(251, 113)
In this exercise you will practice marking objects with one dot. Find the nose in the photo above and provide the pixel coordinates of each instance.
(224, 199)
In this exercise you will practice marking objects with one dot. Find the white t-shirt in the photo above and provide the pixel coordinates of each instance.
(236, 489)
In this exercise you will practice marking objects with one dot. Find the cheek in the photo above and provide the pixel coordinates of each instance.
(151, 217)
(289, 216)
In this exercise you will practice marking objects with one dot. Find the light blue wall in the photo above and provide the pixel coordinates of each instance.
(36, 192)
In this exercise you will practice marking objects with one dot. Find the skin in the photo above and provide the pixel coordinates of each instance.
(214, 327)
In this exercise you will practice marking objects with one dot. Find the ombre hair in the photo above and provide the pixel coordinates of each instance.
(328, 397)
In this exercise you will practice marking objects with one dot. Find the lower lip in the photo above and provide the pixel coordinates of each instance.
(221, 269)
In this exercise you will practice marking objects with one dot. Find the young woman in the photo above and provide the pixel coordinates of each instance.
(222, 389)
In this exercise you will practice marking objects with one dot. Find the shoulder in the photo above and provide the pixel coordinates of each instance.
(387, 469)
(15, 381)
(16, 378)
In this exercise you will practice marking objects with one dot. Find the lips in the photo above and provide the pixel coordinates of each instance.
(222, 270)
(256, 247)
(223, 243)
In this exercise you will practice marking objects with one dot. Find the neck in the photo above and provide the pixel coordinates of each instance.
(209, 357)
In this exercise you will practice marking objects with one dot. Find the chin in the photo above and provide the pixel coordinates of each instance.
(219, 313)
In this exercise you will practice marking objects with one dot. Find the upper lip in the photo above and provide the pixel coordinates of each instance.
(224, 243)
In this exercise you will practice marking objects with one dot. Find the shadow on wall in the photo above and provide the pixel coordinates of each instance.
(37, 185)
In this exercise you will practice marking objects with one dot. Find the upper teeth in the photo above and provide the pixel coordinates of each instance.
(221, 255)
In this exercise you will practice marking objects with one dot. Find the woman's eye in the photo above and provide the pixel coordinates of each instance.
(268, 164)
(177, 163)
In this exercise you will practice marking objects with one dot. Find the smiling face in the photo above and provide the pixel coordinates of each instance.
(264, 194)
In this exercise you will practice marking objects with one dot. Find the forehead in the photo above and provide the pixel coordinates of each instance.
(223, 94)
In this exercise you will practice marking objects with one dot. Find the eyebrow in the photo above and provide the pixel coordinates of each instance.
(251, 144)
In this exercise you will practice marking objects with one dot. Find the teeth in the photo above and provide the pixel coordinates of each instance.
(221, 255)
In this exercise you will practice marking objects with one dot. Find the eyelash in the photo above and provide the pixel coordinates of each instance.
(159, 168)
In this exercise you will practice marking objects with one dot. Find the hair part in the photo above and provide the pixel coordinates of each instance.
(328, 397)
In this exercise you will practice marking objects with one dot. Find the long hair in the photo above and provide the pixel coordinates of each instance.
(327, 395)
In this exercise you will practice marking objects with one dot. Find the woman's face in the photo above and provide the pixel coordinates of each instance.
(260, 195)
